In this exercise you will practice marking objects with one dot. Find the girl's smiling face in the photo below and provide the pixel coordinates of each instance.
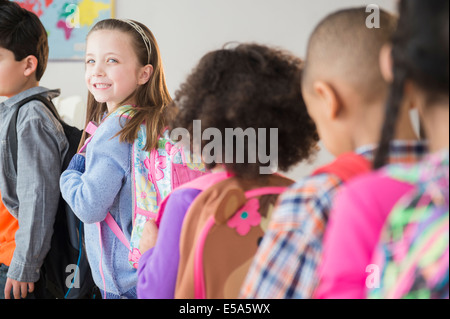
(113, 72)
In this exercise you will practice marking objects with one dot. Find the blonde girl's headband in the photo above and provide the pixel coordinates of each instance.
(144, 36)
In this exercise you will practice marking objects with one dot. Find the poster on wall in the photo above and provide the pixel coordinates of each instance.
(68, 22)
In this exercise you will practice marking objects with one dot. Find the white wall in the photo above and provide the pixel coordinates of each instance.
(187, 29)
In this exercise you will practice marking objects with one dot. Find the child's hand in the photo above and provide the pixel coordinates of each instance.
(77, 163)
(19, 289)
(149, 236)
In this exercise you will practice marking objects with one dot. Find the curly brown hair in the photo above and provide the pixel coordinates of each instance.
(248, 86)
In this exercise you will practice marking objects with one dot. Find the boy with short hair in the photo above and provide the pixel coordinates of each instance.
(30, 193)
(345, 95)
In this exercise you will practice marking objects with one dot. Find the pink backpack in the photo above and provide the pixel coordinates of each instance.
(221, 233)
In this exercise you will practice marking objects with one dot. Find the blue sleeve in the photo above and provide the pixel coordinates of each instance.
(158, 267)
(108, 162)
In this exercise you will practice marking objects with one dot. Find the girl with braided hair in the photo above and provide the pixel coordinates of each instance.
(413, 252)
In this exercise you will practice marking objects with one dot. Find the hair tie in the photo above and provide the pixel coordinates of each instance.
(144, 36)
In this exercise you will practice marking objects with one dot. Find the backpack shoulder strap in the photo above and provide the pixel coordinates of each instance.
(227, 206)
(206, 181)
(346, 166)
(112, 224)
(91, 128)
(12, 129)
(202, 183)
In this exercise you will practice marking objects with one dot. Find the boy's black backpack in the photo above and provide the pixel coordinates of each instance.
(65, 272)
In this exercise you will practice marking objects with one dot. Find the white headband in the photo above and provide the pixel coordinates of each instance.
(144, 36)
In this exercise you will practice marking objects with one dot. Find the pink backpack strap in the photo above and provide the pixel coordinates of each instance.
(202, 183)
(91, 128)
(116, 230)
(199, 280)
(112, 224)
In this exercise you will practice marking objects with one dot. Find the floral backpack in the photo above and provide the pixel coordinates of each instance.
(155, 174)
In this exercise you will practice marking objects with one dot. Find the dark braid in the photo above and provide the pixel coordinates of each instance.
(392, 112)
(420, 54)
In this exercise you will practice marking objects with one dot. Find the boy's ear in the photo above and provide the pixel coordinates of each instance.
(329, 98)
(146, 74)
(386, 64)
(31, 64)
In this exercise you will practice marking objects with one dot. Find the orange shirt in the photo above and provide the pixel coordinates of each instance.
(8, 228)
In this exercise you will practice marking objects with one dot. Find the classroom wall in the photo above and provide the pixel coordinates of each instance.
(187, 29)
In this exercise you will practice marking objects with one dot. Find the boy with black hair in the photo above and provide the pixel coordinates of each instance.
(30, 191)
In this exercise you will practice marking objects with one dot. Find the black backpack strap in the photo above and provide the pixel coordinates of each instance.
(12, 129)
(66, 246)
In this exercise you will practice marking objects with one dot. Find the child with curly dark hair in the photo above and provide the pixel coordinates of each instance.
(239, 94)
(255, 91)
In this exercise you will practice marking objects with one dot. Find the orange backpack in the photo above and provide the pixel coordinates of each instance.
(221, 233)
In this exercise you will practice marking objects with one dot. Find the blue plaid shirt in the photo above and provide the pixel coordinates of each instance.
(285, 266)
